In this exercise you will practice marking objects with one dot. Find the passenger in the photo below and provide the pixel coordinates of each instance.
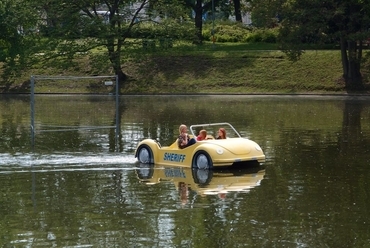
(184, 139)
(202, 135)
(221, 133)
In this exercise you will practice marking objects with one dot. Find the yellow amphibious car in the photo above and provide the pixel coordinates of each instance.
(207, 154)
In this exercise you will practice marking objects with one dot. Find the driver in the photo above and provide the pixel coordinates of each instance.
(184, 139)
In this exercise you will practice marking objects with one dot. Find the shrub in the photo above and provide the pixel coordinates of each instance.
(238, 33)
(225, 32)
(263, 35)
(169, 29)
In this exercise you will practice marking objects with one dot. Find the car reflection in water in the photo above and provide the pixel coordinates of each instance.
(203, 182)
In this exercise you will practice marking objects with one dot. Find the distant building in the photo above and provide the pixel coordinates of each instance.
(246, 18)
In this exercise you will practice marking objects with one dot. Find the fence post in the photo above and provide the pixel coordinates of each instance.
(32, 111)
(117, 113)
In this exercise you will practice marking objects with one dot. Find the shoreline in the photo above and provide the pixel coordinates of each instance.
(198, 94)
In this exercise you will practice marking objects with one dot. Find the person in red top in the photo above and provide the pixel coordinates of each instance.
(202, 135)
(221, 133)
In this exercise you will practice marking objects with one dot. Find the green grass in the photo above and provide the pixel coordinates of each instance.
(235, 68)
(214, 68)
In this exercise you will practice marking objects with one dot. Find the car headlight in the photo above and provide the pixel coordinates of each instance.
(219, 151)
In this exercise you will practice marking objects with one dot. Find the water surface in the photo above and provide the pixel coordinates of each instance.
(84, 188)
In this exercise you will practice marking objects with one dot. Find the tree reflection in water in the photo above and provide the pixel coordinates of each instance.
(74, 188)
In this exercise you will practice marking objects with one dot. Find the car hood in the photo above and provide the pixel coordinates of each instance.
(237, 146)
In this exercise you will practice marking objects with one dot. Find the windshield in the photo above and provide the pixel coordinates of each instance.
(212, 129)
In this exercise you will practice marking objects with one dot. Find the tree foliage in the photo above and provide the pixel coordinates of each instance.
(69, 28)
(80, 26)
(199, 8)
(17, 36)
(203, 7)
(52, 33)
(302, 22)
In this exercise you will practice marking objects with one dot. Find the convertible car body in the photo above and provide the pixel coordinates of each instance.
(206, 154)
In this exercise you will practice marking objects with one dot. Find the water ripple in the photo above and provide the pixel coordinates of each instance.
(12, 162)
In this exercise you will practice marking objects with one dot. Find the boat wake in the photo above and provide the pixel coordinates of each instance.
(10, 163)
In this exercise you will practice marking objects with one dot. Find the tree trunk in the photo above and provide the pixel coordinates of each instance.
(238, 15)
(198, 22)
(343, 51)
(351, 63)
(115, 59)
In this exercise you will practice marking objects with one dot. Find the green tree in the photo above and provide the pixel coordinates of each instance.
(80, 26)
(315, 21)
(70, 28)
(18, 32)
(265, 14)
(199, 8)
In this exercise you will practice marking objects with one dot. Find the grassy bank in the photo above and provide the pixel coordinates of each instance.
(219, 68)
(237, 71)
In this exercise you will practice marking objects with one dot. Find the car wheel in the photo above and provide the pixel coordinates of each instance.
(202, 160)
(145, 155)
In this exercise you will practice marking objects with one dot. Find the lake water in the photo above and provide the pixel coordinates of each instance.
(79, 186)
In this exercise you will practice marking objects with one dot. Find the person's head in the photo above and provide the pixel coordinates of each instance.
(203, 134)
(222, 133)
(183, 128)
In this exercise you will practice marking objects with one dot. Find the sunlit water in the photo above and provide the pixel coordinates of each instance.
(83, 189)
(64, 162)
